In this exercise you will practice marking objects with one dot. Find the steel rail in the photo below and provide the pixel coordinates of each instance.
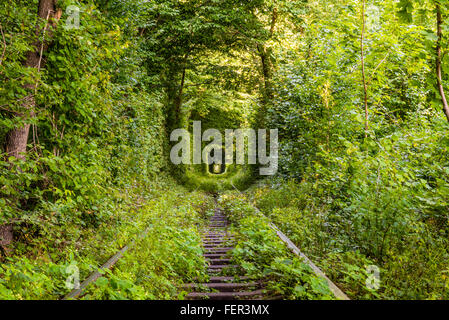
(75, 293)
(332, 286)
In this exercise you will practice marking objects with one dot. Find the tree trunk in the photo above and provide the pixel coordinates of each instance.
(267, 69)
(16, 141)
(178, 99)
(267, 66)
(174, 91)
(6, 238)
(438, 61)
(362, 54)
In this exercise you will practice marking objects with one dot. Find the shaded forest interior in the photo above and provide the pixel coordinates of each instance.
(91, 90)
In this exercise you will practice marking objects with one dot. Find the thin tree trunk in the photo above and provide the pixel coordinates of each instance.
(267, 68)
(267, 65)
(438, 61)
(265, 54)
(362, 53)
(175, 92)
(178, 99)
(16, 141)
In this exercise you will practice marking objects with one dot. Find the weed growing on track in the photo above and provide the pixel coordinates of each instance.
(265, 257)
(167, 255)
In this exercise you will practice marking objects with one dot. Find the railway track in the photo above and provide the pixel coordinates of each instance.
(226, 281)
(218, 242)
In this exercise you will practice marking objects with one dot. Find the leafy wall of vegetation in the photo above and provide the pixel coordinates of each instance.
(366, 190)
(354, 87)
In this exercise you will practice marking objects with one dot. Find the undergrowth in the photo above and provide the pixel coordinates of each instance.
(166, 209)
(264, 257)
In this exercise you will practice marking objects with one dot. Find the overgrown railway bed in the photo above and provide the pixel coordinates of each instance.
(226, 280)
(218, 243)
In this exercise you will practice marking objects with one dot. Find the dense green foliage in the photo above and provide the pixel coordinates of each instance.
(168, 254)
(379, 200)
(94, 131)
(351, 86)
(165, 222)
(265, 258)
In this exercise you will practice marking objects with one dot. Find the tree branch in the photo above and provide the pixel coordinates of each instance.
(4, 45)
(438, 61)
